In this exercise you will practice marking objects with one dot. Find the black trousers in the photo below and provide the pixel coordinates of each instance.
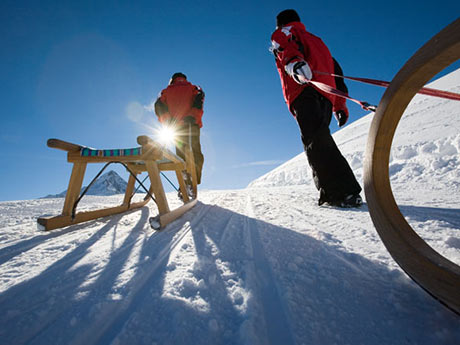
(332, 174)
(190, 133)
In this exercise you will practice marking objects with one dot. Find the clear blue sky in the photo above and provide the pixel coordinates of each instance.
(82, 71)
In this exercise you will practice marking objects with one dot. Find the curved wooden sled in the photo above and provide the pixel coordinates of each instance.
(437, 275)
(150, 157)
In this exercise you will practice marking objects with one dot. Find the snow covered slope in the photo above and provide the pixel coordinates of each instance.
(262, 265)
(427, 142)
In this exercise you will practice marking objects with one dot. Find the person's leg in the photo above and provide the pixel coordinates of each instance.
(190, 133)
(332, 175)
(197, 154)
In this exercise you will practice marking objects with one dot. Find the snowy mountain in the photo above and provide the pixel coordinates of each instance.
(109, 183)
(261, 265)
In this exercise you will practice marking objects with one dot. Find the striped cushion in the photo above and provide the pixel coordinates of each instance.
(87, 152)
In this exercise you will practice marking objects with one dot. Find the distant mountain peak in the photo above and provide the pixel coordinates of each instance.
(109, 183)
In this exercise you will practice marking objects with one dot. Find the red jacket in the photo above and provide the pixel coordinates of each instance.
(292, 43)
(179, 100)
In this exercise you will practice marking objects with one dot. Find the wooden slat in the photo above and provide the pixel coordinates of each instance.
(437, 275)
(145, 141)
(140, 167)
(182, 186)
(171, 166)
(137, 167)
(50, 223)
(157, 187)
(76, 158)
(73, 190)
(129, 189)
(63, 145)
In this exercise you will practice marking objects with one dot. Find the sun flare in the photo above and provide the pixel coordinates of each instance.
(166, 135)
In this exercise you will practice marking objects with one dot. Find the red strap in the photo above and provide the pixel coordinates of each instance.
(329, 89)
(424, 90)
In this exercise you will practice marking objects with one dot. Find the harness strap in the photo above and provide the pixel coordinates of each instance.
(331, 90)
(424, 90)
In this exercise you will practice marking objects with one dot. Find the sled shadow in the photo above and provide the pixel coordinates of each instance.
(13, 250)
(249, 281)
(215, 276)
(420, 213)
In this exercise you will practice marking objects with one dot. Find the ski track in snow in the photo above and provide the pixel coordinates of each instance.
(262, 265)
(230, 271)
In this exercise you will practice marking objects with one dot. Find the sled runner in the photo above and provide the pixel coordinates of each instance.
(150, 157)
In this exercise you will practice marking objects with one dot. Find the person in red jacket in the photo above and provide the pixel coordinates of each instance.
(302, 57)
(180, 105)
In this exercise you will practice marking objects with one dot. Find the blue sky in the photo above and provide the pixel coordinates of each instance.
(83, 71)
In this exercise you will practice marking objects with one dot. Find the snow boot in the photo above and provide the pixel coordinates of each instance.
(352, 200)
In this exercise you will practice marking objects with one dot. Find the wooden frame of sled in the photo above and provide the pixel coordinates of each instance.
(434, 273)
(150, 157)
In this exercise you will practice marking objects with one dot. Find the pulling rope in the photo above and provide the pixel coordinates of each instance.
(329, 89)
(366, 106)
(424, 90)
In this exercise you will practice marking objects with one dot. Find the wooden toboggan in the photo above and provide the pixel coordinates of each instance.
(149, 157)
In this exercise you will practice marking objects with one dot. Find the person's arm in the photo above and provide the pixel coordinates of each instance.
(291, 54)
(161, 108)
(340, 107)
(197, 104)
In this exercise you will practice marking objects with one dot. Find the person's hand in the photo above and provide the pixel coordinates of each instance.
(342, 117)
(300, 71)
(190, 119)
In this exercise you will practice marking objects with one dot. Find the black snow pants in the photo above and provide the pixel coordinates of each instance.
(186, 134)
(332, 175)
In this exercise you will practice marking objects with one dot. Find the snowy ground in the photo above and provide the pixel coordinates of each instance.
(262, 265)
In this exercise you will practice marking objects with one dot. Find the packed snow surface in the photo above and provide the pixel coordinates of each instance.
(262, 265)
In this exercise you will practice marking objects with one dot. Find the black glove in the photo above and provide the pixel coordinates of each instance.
(170, 121)
(342, 117)
(190, 119)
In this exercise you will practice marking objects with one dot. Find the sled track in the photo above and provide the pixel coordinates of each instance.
(276, 318)
(104, 332)
(434, 273)
(113, 316)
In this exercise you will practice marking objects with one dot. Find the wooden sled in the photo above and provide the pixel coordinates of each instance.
(150, 157)
(437, 275)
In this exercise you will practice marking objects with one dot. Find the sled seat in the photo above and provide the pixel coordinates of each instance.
(150, 157)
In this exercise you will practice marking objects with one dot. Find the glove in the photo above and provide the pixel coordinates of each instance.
(167, 120)
(342, 117)
(189, 119)
(299, 71)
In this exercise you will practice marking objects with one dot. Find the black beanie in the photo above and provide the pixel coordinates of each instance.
(286, 17)
(178, 74)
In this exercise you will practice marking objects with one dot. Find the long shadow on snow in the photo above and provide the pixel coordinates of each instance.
(421, 214)
(20, 247)
(326, 295)
(42, 308)
(182, 308)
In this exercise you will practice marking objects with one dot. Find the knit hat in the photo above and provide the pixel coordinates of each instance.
(286, 17)
(177, 75)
